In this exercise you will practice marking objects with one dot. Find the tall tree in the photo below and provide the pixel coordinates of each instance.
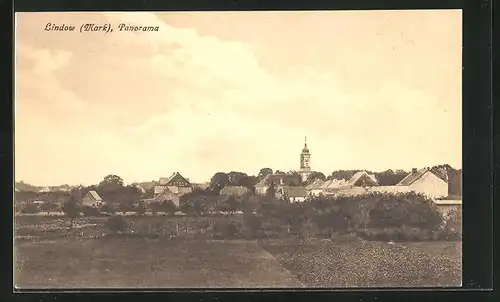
(219, 181)
(314, 176)
(236, 178)
(71, 210)
(264, 172)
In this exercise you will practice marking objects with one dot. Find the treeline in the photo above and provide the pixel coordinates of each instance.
(385, 217)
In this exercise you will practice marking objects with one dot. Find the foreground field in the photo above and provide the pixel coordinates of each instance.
(325, 263)
(50, 256)
(151, 263)
(161, 263)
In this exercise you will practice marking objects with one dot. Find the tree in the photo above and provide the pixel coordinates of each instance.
(271, 191)
(140, 209)
(116, 224)
(219, 181)
(390, 177)
(126, 206)
(236, 178)
(155, 207)
(89, 211)
(48, 206)
(170, 207)
(71, 210)
(107, 208)
(264, 172)
(30, 208)
(111, 180)
(250, 182)
(314, 176)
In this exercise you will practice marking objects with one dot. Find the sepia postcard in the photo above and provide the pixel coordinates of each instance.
(244, 149)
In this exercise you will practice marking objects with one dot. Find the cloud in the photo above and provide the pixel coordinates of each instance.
(145, 103)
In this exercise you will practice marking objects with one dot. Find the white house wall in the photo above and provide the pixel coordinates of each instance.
(430, 185)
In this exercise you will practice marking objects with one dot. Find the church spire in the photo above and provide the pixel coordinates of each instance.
(305, 141)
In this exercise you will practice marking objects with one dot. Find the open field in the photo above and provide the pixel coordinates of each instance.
(139, 262)
(151, 263)
(51, 256)
(327, 263)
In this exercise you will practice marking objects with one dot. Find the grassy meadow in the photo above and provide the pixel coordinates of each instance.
(47, 255)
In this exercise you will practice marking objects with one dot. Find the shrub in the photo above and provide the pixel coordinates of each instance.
(454, 221)
(106, 208)
(226, 229)
(169, 207)
(116, 224)
(253, 225)
(30, 208)
(155, 207)
(90, 211)
(140, 208)
(396, 210)
(48, 207)
(72, 210)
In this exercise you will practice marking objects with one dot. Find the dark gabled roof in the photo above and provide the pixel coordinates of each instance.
(414, 176)
(165, 181)
(295, 191)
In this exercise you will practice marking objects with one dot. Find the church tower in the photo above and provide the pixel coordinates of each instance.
(305, 162)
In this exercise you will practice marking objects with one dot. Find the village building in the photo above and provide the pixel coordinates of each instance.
(44, 190)
(236, 191)
(425, 182)
(305, 162)
(315, 188)
(162, 194)
(276, 180)
(292, 194)
(362, 179)
(176, 183)
(201, 186)
(92, 199)
(170, 188)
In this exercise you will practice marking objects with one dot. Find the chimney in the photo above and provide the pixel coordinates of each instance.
(414, 170)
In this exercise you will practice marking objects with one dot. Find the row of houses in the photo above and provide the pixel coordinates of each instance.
(422, 181)
(288, 186)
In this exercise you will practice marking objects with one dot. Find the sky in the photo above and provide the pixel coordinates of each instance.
(235, 91)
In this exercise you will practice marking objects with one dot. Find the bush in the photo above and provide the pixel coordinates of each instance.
(30, 208)
(396, 210)
(90, 211)
(226, 230)
(107, 209)
(140, 208)
(253, 225)
(116, 224)
(169, 207)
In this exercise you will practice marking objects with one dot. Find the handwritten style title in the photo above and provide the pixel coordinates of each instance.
(92, 27)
